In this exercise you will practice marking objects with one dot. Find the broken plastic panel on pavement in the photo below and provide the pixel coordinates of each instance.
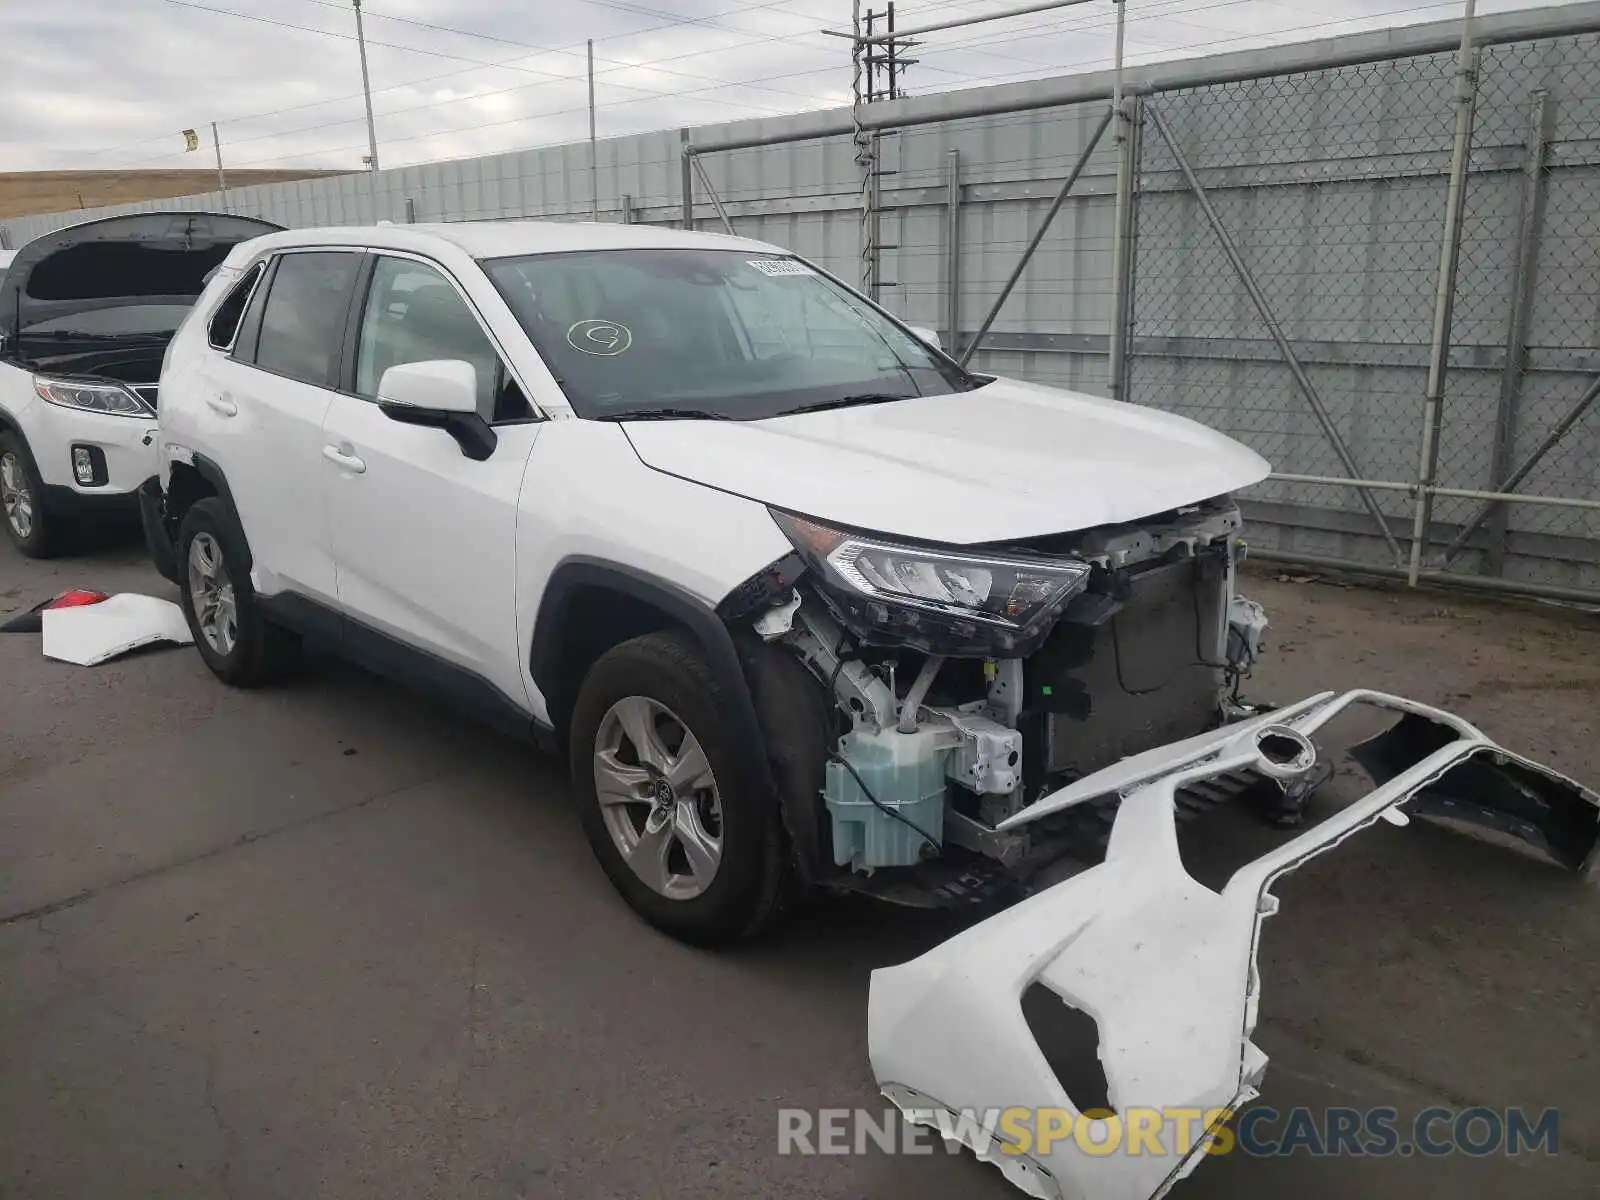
(90, 634)
(1164, 967)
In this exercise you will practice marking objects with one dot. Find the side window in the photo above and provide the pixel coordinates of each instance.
(225, 321)
(302, 326)
(414, 314)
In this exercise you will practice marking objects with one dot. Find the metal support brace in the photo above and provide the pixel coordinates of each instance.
(716, 200)
(1585, 402)
(1259, 299)
(952, 249)
(1505, 428)
(1038, 236)
(1466, 94)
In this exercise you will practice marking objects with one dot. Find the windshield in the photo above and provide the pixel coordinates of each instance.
(716, 333)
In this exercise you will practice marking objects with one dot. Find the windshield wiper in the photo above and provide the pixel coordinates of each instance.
(665, 414)
(849, 402)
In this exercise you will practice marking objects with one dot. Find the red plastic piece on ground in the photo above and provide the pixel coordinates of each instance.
(77, 598)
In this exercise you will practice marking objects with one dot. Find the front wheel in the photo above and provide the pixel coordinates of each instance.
(30, 529)
(677, 816)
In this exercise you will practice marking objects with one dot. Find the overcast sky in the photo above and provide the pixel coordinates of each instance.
(110, 83)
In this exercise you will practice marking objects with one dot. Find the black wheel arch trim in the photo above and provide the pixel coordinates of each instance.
(208, 470)
(576, 573)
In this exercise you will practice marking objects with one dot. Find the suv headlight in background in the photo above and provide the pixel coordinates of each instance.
(939, 600)
(110, 398)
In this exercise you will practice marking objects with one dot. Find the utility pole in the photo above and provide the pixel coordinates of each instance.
(594, 166)
(877, 61)
(216, 143)
(366, 91)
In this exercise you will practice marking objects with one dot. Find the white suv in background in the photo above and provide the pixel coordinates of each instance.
(86, 313)
(806, 603)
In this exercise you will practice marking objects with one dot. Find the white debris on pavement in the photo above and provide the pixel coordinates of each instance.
(94, 633)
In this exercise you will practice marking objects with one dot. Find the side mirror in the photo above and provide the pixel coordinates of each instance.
(439, 394)
(926, 335)
(447, 385)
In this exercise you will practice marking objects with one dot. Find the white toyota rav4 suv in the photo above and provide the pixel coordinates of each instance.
(85, 316)
(806, 603)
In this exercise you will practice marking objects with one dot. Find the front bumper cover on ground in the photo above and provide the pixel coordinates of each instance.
(1165, 967)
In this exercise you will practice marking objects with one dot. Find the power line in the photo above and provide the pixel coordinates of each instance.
(509, 120)
(548, 77)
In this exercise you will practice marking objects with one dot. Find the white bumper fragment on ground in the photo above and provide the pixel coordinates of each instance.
(94, 633)
(1164, 966)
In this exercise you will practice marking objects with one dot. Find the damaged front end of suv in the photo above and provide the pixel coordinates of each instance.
(1027, 723)
(969, 682)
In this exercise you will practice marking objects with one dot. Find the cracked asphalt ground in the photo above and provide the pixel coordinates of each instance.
(330, 940)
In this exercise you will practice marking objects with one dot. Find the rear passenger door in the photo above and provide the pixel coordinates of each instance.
(424, 537)
(264, 410)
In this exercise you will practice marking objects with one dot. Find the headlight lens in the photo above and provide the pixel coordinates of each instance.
(110, 398)
(1010, 593)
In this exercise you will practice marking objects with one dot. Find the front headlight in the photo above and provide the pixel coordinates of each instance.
(110, 398)
(1012, 595)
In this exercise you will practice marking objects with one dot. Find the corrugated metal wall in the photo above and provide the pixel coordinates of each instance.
(1332, 182)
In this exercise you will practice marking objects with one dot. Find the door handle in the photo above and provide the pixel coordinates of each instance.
(222, 405)
(340, 458)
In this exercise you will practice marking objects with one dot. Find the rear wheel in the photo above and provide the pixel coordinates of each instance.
(30, 529)
(231, 632)
(681, 822)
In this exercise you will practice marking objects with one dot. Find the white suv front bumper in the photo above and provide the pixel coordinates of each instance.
(127, 445)
(1164, 966)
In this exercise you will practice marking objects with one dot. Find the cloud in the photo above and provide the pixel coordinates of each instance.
(97, 84)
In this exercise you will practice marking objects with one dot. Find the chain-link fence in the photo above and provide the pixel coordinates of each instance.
(1258, 242)
(1292, 233)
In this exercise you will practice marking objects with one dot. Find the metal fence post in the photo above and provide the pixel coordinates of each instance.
(1522, 271)
(687, 183)
(1259, 299)
(1117, 349)
(952, 250)
(1123, 241)
(1466, 94)
(1038, 236)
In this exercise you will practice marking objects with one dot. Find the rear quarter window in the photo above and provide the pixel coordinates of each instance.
(224, 327)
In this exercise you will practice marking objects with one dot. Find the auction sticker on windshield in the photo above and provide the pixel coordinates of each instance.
(780, 266)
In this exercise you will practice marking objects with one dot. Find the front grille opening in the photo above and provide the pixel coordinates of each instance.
(1069, 1038)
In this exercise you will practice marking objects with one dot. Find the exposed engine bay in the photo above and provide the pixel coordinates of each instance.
(952, 726)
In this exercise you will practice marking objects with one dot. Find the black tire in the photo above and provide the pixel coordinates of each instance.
(261, 651)
(47, 535)
(745, 896)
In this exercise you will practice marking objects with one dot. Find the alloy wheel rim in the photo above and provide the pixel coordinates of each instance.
(211, 593)
(658, 797)
(16, 496)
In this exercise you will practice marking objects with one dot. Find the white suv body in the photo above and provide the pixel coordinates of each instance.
(516, 462)
(808, 606)
(85, 316)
